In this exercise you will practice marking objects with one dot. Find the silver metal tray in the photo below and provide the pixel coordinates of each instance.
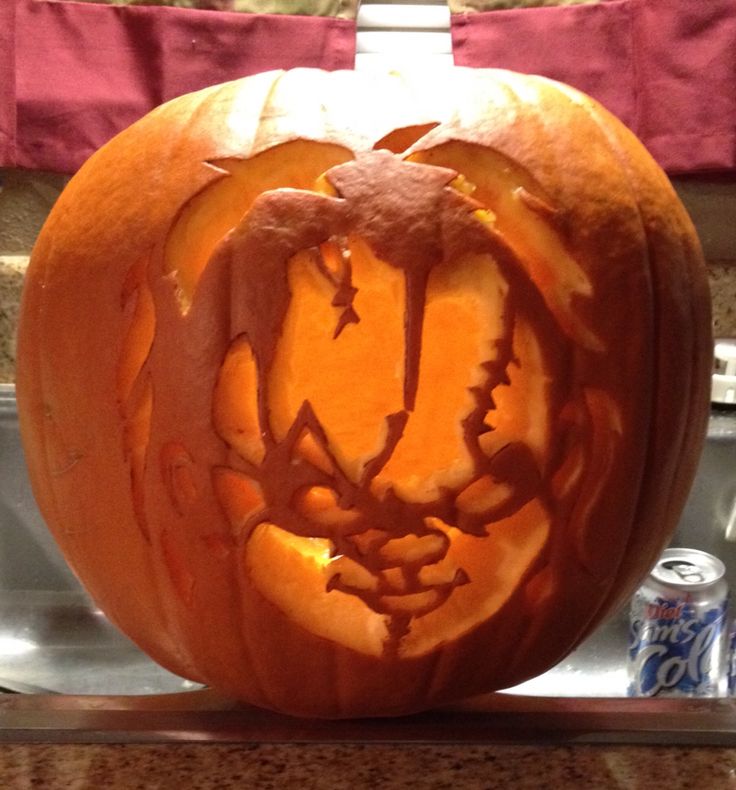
(203, 716)
(77, 678)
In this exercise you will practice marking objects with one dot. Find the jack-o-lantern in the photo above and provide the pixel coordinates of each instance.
(353, 396)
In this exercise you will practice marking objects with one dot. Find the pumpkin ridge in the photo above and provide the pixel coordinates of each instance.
(691, 432)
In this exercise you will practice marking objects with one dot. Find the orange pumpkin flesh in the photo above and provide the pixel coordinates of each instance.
(348, 403)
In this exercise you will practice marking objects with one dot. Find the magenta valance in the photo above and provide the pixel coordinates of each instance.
(667, 68)
(74, 74)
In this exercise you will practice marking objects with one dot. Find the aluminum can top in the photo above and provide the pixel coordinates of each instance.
(688, 569)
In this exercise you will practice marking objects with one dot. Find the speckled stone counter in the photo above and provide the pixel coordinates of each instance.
(12, 271)
(723, 293)
(260, 767)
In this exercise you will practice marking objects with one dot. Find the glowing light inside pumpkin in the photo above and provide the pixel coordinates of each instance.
(367, 479)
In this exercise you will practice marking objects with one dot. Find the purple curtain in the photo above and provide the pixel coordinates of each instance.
(7, 82)
(667, 68)
(85, 71)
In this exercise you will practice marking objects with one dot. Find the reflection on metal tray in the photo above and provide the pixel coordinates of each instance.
(53, 637)
(60, 642)
(51, 634)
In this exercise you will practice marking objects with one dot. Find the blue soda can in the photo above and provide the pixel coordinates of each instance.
(678, 628)
(732, 660)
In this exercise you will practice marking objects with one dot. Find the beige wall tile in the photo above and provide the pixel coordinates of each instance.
(12, 269)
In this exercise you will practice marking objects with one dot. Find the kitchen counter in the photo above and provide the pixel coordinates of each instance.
(191, 766)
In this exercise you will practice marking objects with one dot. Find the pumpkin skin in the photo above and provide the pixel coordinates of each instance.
(352, 396)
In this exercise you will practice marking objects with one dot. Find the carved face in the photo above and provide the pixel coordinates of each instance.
(387, 431)
(357, 403)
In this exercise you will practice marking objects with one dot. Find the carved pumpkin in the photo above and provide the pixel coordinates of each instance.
(354, 396)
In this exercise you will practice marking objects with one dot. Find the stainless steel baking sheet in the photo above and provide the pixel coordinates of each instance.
(80, 680)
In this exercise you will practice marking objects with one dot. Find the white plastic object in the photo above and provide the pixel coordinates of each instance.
(723, 381)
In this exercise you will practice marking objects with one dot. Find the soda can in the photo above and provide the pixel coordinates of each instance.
(678, 632)
(731, 672)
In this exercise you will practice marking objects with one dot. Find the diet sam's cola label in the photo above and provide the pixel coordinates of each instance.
(732, 660)
(678, 628)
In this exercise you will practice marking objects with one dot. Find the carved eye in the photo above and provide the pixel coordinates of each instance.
(359, 427)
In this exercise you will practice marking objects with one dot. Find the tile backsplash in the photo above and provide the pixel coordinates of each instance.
(27, 197)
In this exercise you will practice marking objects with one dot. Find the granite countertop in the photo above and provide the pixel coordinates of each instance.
(193, 766)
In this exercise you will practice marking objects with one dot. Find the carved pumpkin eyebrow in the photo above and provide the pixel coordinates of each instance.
(338, 273)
